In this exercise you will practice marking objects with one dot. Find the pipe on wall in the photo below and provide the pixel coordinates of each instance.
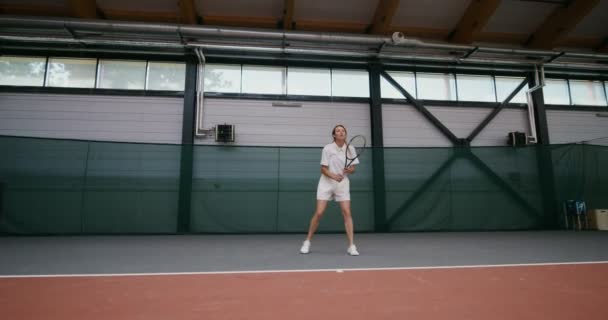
(174, 36)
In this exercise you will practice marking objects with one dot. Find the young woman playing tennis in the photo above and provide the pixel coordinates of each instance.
(334, 185)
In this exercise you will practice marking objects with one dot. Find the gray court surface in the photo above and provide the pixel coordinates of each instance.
(211, 253)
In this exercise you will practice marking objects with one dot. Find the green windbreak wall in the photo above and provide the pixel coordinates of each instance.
(50, 186)
(259, 189)
(581, 173)
(73, 187)
(463, 189)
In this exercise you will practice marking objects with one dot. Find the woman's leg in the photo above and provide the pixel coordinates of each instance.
(348, 221)
(316, 217)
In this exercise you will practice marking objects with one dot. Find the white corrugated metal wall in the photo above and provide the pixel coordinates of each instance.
(566, 126)
(404, 126)
(258, 122)
(92, 117)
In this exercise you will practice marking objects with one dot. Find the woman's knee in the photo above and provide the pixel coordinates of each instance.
(319, 214)
(346, 213)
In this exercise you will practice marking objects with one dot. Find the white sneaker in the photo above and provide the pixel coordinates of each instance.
(352, 250)
(305, 247)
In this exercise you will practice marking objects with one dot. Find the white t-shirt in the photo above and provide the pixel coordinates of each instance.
(334, 157)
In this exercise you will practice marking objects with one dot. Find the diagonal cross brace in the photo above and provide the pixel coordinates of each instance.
(463, 153)
(421, 190)
(422, 109)
(496, 110)
(501, 183)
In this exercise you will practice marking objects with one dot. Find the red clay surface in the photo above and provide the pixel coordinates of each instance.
(527, 292)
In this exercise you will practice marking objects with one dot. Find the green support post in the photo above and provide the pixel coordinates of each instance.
(377, 148)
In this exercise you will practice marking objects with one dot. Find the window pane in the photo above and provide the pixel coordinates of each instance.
(312, 82)
(115, 74)
(475, 88)
(436, 86)
(263, 80)
(556, 92)
(223, 78)
(22, 71)
(590, 93)
(407, 80)
(349, 83)
(506, 85)
(69, 72)
(169, 76)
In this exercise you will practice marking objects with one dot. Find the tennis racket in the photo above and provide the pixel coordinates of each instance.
(354, 149)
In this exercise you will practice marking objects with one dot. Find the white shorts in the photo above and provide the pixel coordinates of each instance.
(330, 189)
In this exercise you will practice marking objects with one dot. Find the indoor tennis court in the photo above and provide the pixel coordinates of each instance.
(458, 275)
(288, 159)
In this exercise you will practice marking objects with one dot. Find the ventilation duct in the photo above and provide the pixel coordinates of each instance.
(78, 34)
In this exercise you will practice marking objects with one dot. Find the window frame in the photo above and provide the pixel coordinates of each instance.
(48, 74)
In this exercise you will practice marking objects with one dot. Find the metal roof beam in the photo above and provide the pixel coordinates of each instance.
(288, 14)
(187, 10)
(383, 17)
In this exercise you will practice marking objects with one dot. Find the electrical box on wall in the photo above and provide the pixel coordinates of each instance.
(517, 139)
(224, 133)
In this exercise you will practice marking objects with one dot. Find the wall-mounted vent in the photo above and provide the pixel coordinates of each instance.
(517, 139)
(224, 133)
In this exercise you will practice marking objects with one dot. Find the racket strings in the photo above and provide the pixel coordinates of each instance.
(354, 148)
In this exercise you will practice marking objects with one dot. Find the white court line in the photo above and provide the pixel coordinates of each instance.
(301, 270)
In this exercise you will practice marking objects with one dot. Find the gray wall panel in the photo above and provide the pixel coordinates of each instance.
(88, 117)
(257, 122)
(574, 126)
(404, 126)
(507, 120)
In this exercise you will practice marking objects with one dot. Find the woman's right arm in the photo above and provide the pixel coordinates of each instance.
(325, 171)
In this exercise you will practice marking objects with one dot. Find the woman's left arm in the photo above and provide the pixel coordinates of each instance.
(349, 170)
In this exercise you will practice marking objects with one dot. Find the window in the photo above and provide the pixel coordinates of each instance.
(69, 72)
(274, 80)
(114, 74)
(223, 78)
(556, 92)
(590, 93)
(436, 86)
(407, 80)
(263, 80)
(312, 82)
(506, 85)
(170, 76)
(349, 83)
(475, 88)
(22, 71)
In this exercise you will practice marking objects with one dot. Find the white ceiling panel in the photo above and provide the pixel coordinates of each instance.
(142, 6)
(595, 24)
(361, 11)
(241, 8)
(513, 16)
(437, 14)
